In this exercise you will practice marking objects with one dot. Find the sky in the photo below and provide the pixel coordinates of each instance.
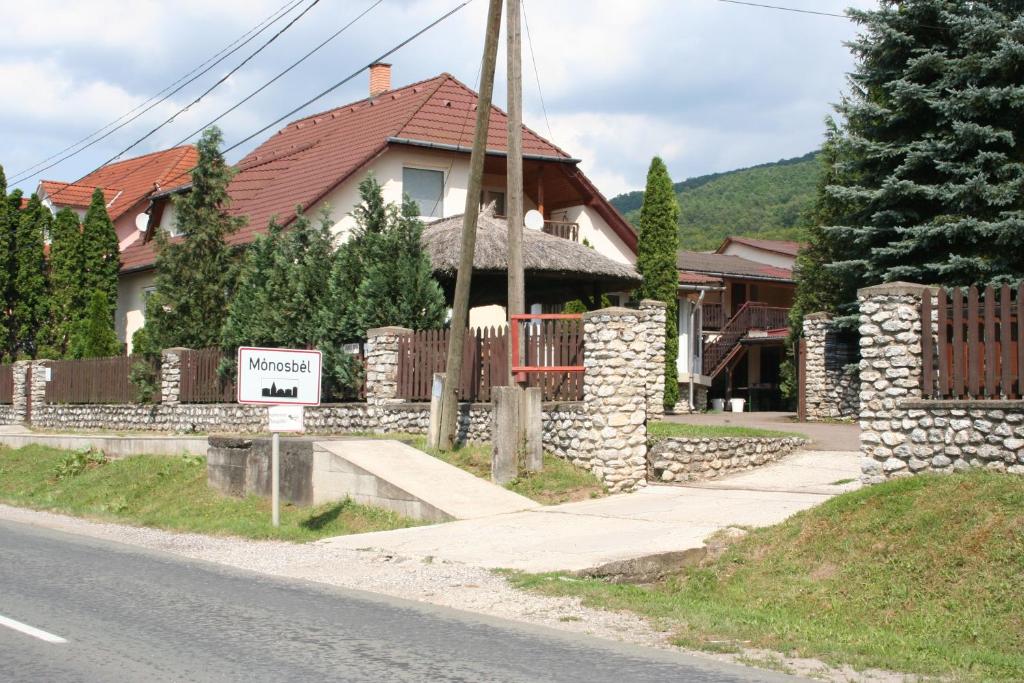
(709, 86)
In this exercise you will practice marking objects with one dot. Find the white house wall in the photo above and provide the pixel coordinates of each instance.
(750, 253)
(597, 232)
(131, 304)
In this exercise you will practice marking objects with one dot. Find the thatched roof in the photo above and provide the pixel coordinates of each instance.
(556, 269)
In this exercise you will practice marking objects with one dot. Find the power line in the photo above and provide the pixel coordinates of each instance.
(197, 99)
(271, 19)
(536, 73)
(161, 100)
(786, 9)
(351, 76)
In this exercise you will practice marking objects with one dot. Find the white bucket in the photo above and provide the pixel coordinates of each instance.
(718, 404)
(737, 404)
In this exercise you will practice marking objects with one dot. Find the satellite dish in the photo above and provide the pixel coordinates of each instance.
(142, 222)
(533, 220)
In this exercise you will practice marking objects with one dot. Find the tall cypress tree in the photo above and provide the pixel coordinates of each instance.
(195, 274)
(100, 257)
(69, 292)
(31, 295)
(93, 335)
(656, 260)
(929, 164)
(7, 216)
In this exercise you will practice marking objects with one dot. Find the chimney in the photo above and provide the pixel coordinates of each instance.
(380, 78)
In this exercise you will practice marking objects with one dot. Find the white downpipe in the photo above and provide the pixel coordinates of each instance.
(694, 343)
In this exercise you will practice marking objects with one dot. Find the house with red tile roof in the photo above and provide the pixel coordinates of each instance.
(733, 318)
(128, 187)
(416, 140)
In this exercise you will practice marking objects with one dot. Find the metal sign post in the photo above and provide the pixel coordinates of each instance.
(285, 380)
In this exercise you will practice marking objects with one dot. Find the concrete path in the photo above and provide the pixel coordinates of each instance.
(655, 520)
(113, 445)
(826, 436)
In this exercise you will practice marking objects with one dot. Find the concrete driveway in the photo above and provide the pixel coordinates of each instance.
(826, 436)
(657, 519)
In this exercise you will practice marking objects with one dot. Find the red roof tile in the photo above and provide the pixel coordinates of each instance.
(786, 247)
(688, 278)
(727, 265)
(126, 183)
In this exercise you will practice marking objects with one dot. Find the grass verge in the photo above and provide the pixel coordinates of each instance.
(559, 482)
(167, 493)
(919, 575)
(661, 430)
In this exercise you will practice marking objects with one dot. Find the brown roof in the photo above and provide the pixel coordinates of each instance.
(309, 157)
(786, 247)
(126, 183)
(726, 265)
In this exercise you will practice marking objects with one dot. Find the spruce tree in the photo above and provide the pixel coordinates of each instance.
(657, 247)
(94, 336)
(100, 256)
(31, 293)
(929, 170)
(68, 295)
(195, 274)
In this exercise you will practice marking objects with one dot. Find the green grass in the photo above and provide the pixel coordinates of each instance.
(559, 482)
(170, 493)
(661, 430)
(919, 575)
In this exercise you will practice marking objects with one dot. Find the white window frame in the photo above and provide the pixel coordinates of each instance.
(443, 170)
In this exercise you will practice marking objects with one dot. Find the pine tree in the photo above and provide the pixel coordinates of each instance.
(195, 275)
(929, 171)
(94, 336)
(68, 295)
(657, 246)
(31, 292)
(100, 257)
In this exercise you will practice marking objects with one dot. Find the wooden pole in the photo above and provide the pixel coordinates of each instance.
(514, 169)
(460, 305)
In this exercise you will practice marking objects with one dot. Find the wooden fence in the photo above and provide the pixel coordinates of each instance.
(200, 382)
(976, 352)
(6, 383)
(485, 365)
(92, 380)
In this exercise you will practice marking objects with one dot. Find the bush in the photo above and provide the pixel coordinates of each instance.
(77, 462)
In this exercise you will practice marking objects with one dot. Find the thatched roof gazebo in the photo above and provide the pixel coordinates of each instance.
(556, 269)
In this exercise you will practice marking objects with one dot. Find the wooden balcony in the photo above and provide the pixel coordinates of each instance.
(713, 316)
(564, 229)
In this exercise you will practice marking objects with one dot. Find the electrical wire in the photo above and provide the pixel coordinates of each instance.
(32, 171)
(786, 9)
(536, 73)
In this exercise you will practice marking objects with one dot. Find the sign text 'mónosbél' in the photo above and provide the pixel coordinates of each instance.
(278, 376)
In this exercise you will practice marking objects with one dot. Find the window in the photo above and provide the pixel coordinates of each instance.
(426, 188)
(488, 196)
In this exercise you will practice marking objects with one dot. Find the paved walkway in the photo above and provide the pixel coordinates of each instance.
(657, 519)
(827, 436)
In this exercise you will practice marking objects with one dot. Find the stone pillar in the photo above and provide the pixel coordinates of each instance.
(382, 364)
(170, 375)
(37, 388)
(615, 393)
(830, 391)
(654, 357)
(19, 400)
(890, 373)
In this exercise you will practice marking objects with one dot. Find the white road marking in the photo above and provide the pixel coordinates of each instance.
(30, 630)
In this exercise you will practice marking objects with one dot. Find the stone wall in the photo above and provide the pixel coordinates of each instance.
(654, 356)
(678, 459)
(901, 433)
(382, 363)
(832, 391)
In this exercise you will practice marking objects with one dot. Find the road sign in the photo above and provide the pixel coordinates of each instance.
(278, 376)
(286, 418)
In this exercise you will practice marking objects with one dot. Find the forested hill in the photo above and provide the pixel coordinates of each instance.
(760, 201)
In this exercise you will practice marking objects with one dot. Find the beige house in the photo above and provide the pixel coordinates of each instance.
(416, 141)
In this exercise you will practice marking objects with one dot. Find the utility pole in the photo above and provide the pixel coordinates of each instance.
(460, 306)
(514, 173)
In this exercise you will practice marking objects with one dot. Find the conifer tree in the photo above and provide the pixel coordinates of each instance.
(100, 257)
(31, 293)
(930, 177)
(7, 218)
(195, 274)
(68, 297)
(657, 246)
(93, 335)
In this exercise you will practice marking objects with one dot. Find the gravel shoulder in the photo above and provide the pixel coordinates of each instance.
(446, 584)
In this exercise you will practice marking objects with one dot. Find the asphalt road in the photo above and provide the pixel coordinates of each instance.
(132, 615)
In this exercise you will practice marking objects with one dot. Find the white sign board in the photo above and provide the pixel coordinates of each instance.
(286, 418)
(278, 376)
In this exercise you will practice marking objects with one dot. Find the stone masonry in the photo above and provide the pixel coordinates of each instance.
(170, 375)
(654, 359)
(382, 364)
(832, 391)
(615, 394)
(902, 434)
(19, 400)
(679, 459)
